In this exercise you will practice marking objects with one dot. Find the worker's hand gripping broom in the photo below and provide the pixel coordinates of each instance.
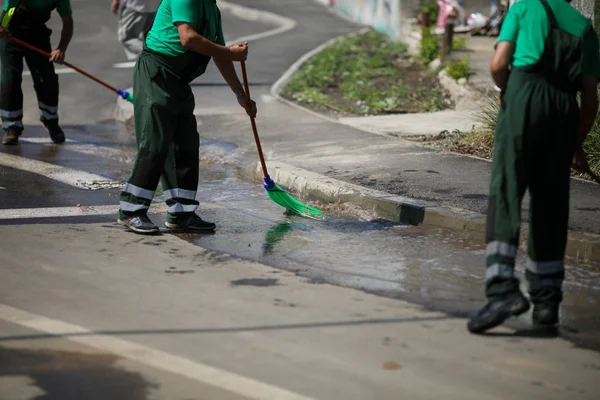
(276, 193)
(122, 93)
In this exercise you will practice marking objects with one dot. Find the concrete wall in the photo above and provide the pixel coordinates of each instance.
(392, 16)
(383, 15)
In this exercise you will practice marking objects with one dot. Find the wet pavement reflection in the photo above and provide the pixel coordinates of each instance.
(434, 268)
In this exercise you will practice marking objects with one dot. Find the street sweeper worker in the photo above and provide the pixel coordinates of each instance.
(185, 36)
(26, 20)
(546, 54)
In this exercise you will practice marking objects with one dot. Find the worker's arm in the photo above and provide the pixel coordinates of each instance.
(587, 117)
(192, 40)
(66, 35)
(500, 65)
(589, 108)
(185, 15)
(230, 75)
(505, 47)
(66, 14)
(114, 6)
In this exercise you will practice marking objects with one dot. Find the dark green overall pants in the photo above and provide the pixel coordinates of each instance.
(30, 26)
(534, 148)
(167, 137)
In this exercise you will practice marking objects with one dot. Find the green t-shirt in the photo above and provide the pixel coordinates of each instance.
(203, 15)
(526, 25)
(63, 7)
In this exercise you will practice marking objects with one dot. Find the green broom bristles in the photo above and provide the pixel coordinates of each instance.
(281, 197)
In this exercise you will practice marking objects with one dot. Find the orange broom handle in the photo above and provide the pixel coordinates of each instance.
(42, 52)
(254, 129)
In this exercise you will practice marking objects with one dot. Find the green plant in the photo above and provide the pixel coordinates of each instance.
(487, 115)
(592, 146)
(430, 46)
(430, 7)
(459, 43)
(458, 69)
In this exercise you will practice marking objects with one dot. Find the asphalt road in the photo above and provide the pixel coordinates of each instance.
(269, 307)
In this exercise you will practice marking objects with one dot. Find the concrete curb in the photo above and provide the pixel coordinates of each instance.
(469, 225)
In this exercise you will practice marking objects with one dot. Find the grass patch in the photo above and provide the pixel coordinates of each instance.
(366, 74)
(430, 46)
(458, 69)
(459, 43)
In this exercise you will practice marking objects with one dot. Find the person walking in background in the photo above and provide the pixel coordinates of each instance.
(135, 20)
(546, 55)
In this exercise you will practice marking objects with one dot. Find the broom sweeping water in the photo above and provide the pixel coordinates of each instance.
(276, 193)
(124, 94)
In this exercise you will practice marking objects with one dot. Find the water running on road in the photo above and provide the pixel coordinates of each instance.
(434, 268)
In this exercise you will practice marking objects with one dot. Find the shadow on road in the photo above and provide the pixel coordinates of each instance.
(63, 375)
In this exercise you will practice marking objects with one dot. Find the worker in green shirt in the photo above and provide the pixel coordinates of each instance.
(185, 36)
(547, 53)
(26, 20)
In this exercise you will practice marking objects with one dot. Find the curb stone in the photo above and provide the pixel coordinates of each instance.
(469, 225)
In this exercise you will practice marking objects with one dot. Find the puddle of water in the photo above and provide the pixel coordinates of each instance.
(431, 267)
(437, 269)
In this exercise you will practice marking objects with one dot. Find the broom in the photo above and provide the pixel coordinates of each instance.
(124, 94)
(276, 193)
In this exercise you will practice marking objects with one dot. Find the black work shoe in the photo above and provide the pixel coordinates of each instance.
(56, 133)
(193, 224)
(11, 137)
(545, 314)
(498, 310)
(140, 224)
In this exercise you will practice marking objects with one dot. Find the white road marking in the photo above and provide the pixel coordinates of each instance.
(267, 98)
(53, 212)
(41, 140)
(2, 188)
(128, 64)
(66, 175)
(240, 385)
(207, 112)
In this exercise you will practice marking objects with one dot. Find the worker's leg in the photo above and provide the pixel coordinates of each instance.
(11, 94)
(154, 124)
(508, 184)
(507, 187)
(180, 178)
(45, 83)
(549, 213)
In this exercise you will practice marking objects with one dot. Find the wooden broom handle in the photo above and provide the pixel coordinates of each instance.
(42, 52)
(254, 129)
